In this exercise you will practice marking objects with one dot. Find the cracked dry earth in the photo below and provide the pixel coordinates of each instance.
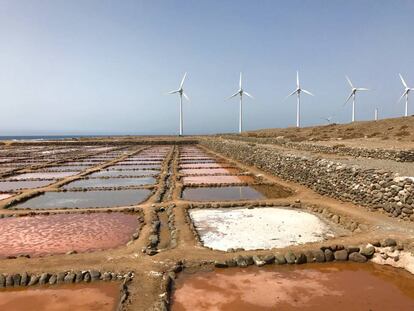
(52, 229)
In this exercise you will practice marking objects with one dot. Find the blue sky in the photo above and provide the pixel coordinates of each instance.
(83, 67)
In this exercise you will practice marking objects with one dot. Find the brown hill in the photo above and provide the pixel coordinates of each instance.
(391, 130)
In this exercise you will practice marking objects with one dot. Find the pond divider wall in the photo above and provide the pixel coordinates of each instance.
(376, 189)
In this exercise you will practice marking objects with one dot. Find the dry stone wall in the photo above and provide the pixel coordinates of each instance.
(372, 188)
(376, 153)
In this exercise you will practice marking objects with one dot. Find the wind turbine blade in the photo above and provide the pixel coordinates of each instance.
(240, 81)
(403, 81)
(173, 92)
(349, 97)
(307, 92)
(362, 89)
(245, 93)
(235, 94)
(297, 79)
(182, 81)
(349, 81)
(293, 93)
(186, 97)
(402, 96)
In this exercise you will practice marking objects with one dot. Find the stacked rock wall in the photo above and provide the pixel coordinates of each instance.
(376, 153)
(371, 188)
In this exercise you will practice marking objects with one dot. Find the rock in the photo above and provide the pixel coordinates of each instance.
(231, 263)
(309, 256)
(367, 251)
(329, 255)
(357, 257)
(33, 280)
(290, 258)
(258, 261)
(2, 281)
(301, 259)
(87, 277)
(388, 242)
(319, 255)
(269, 259)
(25, 279)
(106, 276)
(70, 278)
(151, 252)
(9, 281)
(280, 259)
(220, 264)
(44, 278)
(78, 277)
(61, 277)
(341, 255)
(353, 249)
(16, 279)
(95, 275)
(241, 261)
(53, 279)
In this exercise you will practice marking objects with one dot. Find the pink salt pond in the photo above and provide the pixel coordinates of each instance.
(209, 171)
(322, 287)
(188, 180)
(102, 296)
(43, 175)
(204, 165)
(61, 233)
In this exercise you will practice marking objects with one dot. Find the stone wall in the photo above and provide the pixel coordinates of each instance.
(375, 189)
(341, 149)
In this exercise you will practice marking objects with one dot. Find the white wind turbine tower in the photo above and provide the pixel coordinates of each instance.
(297, 92)
(241, 92)
(180, 91)
(405, 94)
(353, 93)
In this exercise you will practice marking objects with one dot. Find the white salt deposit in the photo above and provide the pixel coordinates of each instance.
(258, 228)
(5, 196)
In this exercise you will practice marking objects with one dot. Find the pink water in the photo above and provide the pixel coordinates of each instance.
(56, 234)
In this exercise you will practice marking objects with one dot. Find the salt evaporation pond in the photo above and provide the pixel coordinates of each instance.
(208, 179)
(208, 171)
(204, 165)
(234, 193)
(310, 287)
(4, 196)
(86, 199)
(258, 228)
(132, 173)
(110, 182)
(23, 184)
(102, 296)
(61, 233)
(43, 175)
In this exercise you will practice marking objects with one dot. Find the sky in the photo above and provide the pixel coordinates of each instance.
(105, 67)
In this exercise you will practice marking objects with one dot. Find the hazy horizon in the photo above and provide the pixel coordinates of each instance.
(105, 67)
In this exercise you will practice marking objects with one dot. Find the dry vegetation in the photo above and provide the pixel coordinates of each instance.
(396, 129)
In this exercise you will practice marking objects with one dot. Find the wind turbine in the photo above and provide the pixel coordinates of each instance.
(353, 93)
(406, 91)
(241, 92)
(297, 92)
(180, 91)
